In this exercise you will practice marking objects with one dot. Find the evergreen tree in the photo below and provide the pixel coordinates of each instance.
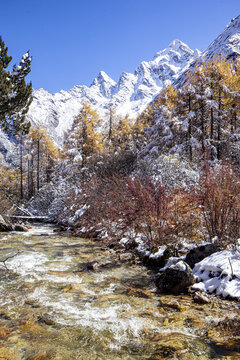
(15, 93)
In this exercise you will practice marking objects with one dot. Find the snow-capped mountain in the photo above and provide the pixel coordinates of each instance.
(133, 92)
(227, 43)
(130, 95)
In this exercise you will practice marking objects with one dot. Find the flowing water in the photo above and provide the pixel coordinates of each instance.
(52, 307)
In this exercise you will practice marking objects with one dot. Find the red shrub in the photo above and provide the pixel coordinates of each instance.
(219, 199)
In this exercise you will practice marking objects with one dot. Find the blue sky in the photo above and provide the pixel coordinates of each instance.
(72, 40)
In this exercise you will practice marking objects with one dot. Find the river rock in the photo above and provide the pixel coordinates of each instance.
(157, 261)
(19, 227)
(226, 334)
(199, 253)
(5, 227)
(93, 265)
(131, 244)
(126, 257)
(201, 298)
(175, 279)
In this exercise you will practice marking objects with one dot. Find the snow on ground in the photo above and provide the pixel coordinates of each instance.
(219, 273)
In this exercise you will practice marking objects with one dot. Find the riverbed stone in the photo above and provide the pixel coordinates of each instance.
(20, 227)
(4, 226)
(226, 334)
(175, 279)
(200, 297)
(170, 303)
(93, 265)
(157, 261)
(139, 293)
(199, 253)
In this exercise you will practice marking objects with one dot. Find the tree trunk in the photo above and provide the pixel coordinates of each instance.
(212, 126)
(202, 126)
(219, 123)
(190, 130)
(38, 164)
(110, 124)
(21, 166)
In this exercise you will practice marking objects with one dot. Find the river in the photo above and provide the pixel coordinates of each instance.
(51, 307)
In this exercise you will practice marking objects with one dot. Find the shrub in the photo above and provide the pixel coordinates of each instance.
(140, 205)
(219, 201)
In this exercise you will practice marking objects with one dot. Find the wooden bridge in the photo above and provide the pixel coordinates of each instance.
(24, 215)
(30, 219)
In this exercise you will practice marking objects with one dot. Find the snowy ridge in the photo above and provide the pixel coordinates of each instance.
(130, 95)
(133, 92)
(227, 43)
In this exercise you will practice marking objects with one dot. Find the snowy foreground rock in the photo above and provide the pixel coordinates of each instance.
(175, 279)
(219, 273)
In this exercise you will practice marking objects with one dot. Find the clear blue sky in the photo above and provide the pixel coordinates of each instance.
(72, 40)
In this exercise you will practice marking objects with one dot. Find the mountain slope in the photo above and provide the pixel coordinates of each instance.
(130, 95)
(227, 43)
(133, 92)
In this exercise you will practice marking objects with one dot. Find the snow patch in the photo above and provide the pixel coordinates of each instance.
(219, 273)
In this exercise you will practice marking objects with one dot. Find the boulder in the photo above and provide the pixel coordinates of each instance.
(175, 279)
(5, 227)
(131, 244)
(19, 227)
(157, 261)
(199, 253)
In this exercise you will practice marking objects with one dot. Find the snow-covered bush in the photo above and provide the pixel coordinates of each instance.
(173, 170)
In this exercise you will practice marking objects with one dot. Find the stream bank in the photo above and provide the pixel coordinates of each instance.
(53, 306)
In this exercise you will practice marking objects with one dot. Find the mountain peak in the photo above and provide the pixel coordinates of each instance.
(176, 44)
(104, 84)
(234, 22)
(102, 77)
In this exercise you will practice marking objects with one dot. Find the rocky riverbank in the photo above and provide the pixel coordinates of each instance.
(7, 226)
(67, 298)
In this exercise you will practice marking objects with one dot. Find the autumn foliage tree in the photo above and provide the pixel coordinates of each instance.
(83, 141)
(41, 156)
(201, 117)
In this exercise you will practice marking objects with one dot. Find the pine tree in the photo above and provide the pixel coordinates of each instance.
(15, 93)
